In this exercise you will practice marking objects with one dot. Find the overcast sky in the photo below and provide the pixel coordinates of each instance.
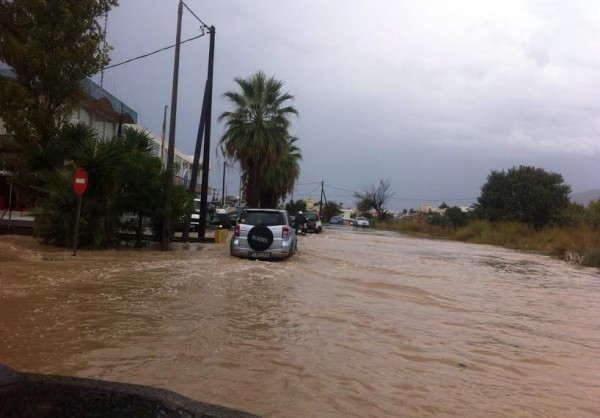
(432, 95)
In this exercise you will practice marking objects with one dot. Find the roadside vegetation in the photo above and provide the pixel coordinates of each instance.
(523, 208)
(51, 47)
(578, 243)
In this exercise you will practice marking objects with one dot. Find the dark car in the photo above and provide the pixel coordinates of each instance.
(221, 221)
(233, 216)
(336, 220)
(313, 222)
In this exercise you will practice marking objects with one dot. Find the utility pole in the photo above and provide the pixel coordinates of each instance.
(162, 136)
(240, 195)
(103, 47)
(223, 189)
(206, 155)
(321, 203)
(196, 163)
(166, 231)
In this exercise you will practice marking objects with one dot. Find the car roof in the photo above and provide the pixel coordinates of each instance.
(264, 210)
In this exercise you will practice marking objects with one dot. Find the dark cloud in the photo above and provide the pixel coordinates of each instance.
(428, 94)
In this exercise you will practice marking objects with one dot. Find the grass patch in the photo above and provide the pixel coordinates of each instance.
(581, 239)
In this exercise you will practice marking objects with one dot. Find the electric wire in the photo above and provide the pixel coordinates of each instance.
(407, 199)
(153, 52)
(308, 184)
(194, 14)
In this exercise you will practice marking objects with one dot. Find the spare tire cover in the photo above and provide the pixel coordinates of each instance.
(260, 238)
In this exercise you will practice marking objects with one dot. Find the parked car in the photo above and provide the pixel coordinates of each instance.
(221, 221)
(195, 219)
(361, 221)
(313, 222)
(233, 216)
(263, 233)
(336, 220)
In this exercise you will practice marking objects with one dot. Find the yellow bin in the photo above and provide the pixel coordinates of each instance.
(221, 235)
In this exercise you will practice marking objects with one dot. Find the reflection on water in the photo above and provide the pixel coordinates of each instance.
(356, 324)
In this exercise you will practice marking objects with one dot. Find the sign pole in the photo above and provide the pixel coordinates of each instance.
(80, 183)
(75, 239)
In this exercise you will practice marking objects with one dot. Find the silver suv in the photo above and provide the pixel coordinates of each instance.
(263, 233)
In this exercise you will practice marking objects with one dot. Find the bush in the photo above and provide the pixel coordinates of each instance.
(591, 257)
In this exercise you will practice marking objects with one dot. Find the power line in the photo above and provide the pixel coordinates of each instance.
(315, 189)
(308, 184)
(339, 188)
(204, 26)
(197, 18)
(409, 199)
(431, 200)
(154, 52)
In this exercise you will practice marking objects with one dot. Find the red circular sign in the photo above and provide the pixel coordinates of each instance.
(80, 181)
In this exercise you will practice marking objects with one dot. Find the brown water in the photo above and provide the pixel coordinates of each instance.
(358, 323)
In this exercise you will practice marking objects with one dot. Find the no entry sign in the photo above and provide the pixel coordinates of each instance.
(80, 181)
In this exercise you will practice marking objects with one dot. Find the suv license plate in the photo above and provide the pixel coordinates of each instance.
(260, 255)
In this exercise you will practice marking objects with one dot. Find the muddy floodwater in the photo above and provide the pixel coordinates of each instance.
(358, 323)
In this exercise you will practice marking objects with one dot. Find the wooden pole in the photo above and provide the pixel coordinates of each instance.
(206, 155)
(166, 232)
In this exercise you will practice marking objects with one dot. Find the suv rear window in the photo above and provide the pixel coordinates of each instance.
(312, 216)
(263, 218)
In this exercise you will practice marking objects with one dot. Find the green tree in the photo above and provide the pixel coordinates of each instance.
(375, 196)
(294, 206)
(51, 47)
(592, 214)
(257, 135)
(524, 194)
(330, 209)
(141, 183)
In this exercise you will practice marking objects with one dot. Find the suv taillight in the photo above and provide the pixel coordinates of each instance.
(285, 232)
(236, 231)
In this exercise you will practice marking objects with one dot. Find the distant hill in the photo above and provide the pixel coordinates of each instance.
(585, 197)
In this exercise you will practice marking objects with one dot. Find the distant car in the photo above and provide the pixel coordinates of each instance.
(336, 220)
(313, 222)
(361, 221)
(263, 233)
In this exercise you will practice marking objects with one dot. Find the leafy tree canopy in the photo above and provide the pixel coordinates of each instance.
(524, 194)
(51, 46)
(294, 206)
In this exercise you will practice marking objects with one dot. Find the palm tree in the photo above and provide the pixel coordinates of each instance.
(280, 178)
(256, 131)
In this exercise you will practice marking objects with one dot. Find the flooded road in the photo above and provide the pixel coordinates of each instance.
(358, 323)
